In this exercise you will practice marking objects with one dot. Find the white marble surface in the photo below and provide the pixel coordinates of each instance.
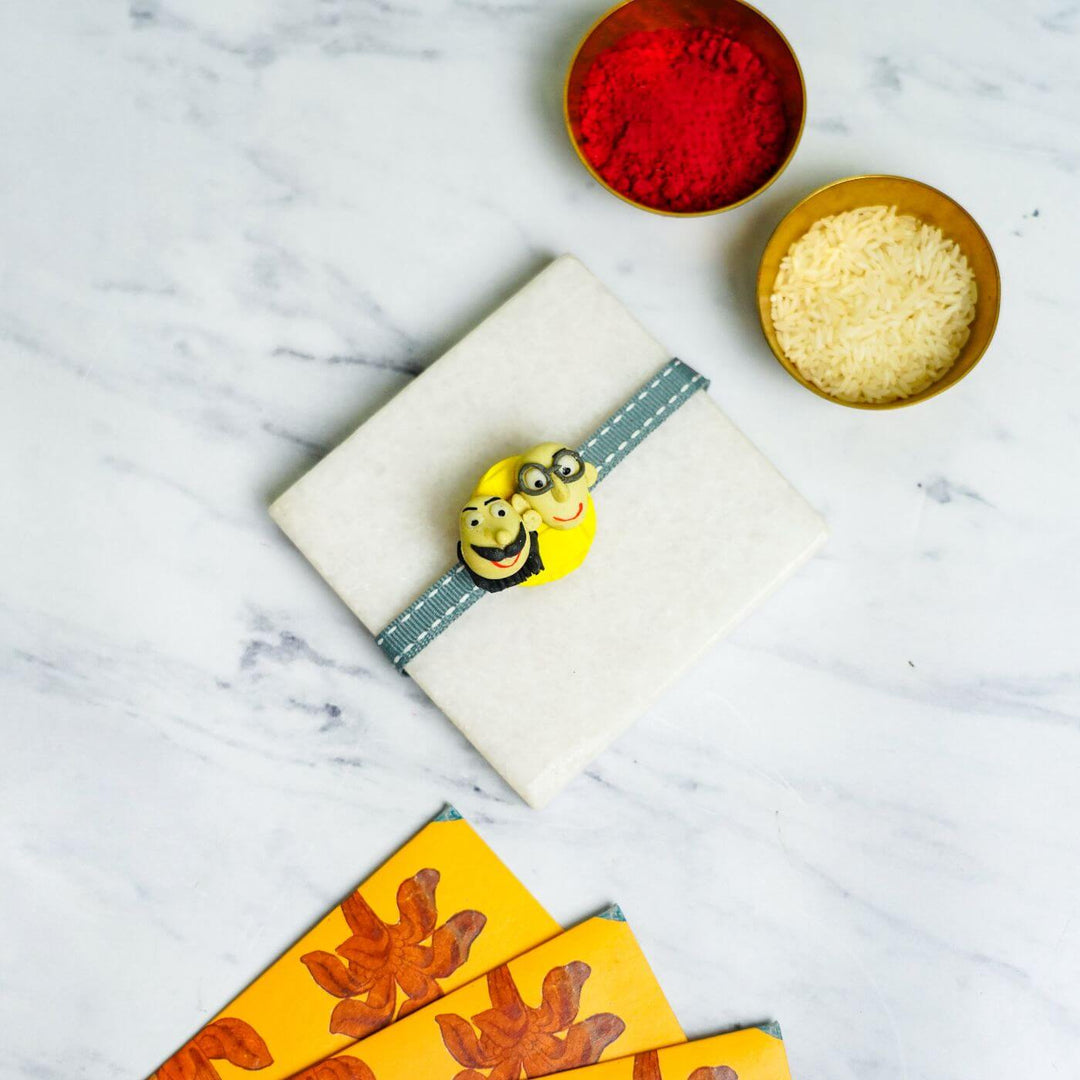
(229, 231)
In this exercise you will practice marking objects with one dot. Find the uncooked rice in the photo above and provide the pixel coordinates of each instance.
(873, 306)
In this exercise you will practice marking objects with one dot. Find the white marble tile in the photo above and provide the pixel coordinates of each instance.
(542, 681)
(229, 232)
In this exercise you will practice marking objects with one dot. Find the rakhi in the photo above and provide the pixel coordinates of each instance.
(530, 519)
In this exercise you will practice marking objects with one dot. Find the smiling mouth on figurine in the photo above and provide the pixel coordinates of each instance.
(572, 517)
(505, 557)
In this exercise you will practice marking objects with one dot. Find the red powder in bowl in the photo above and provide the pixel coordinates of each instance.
(683, 120)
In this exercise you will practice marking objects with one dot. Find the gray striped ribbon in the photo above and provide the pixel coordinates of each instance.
(454, 593)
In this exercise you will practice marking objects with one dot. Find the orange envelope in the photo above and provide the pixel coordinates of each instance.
(437, 914)
(585, 995)
(753, 1054)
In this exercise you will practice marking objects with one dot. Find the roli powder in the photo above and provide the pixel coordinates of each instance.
(682, 119)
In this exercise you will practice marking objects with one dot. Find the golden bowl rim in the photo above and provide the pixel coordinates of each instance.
(682, 213)
(935, 388)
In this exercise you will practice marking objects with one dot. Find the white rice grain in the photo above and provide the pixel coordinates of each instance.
(872, 305)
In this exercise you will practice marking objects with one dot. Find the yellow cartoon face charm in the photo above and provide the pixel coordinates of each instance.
(554, 481)
(498, 544)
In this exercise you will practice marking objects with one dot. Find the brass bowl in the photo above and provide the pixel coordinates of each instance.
(740, 20)
(909, 197)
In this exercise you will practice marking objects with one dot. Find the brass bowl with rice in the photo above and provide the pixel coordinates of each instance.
(878, 291)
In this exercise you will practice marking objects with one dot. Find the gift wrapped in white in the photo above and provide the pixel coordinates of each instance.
(542, 679)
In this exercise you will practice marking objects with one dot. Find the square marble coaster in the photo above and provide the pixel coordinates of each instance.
(694, 528)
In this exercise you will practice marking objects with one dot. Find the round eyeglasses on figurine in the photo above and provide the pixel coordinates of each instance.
(536, 478)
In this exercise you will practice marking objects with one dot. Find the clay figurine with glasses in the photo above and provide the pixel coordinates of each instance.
(517, 502)
(554, 481)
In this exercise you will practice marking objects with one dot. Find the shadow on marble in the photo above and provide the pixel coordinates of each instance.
(550, 79)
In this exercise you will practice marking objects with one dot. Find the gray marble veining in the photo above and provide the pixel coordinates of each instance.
(231, 232)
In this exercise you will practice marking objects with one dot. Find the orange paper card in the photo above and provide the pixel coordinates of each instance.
(437, 914)
(753, 1054)
(585, 995)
